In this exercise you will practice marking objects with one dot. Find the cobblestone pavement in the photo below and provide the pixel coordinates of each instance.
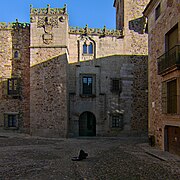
(109, 158)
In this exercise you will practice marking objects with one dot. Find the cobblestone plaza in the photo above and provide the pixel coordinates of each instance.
(109, 158)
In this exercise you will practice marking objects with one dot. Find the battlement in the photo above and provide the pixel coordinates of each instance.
(97, 31)
(14, 25)
(4, 25)
(48, 10)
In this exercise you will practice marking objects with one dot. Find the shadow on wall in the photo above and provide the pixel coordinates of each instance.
(129, 72)
(48, 96)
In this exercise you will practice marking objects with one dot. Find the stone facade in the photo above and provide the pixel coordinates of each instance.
(163, 19)
(130, 102)
(77, 81)
(15, 59)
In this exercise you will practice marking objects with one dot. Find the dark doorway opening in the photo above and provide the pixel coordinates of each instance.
(172, 139)
(87, 124)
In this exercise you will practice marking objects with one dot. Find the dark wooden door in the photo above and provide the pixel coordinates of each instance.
(173, 137)
(87, 124)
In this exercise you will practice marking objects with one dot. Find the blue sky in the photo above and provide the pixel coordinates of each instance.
(95, 13)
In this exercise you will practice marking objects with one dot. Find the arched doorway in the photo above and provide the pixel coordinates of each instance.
(87, 124)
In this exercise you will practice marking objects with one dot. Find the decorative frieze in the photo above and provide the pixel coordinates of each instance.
(96, 31)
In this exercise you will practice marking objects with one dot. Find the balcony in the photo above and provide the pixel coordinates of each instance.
(170, 60)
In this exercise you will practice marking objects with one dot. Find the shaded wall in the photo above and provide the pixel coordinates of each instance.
(49, 98)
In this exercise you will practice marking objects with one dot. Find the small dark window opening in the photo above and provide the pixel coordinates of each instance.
(117, 121)
(87, 85)
(16, 54)
(172, 97)
(115, 86)
(13, 86)
(10, 120)
(157, 11)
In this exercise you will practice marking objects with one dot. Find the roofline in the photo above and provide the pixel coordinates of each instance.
(114, 3)
(149, 7)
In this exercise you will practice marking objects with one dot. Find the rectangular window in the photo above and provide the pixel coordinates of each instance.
(171, 38)
(11, 120)
(115, 85)
(87, 85)
(172, 96)
(117, 121)
(13, 86)
(157, 11)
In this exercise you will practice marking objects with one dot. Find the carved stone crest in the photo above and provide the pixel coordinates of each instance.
(47, 38)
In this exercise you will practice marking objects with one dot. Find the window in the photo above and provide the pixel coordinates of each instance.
(11, 120)
(170, 98)
(117, 121)
(171, 38)
(157, 11)
(115, 85)
(88, 49)
(16, 54)
(84, 48)
(13, 86)
(87, 85)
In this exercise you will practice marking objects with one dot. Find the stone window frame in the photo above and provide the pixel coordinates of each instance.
(11, 120)
(93, 76)
(89, 53)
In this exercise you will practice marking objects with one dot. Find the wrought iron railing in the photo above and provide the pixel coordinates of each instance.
(169, 60)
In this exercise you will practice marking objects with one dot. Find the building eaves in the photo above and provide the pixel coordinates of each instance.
(114, 5)
(149, 7)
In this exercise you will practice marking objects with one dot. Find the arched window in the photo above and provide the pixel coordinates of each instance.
(16, 54)
(85, 48)
(90, 48)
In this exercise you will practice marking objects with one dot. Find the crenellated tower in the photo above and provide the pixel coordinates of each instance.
(49, 33)
(48, 72)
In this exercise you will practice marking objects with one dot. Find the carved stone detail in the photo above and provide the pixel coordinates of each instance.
(169, 3)
(47, 38)
(43, 20)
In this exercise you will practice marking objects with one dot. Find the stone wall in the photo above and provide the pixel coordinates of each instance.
(131, 102)
(157, 30)
(49, 98)
(104, 46)
(15, 37)
(139, 94)
(135, 41)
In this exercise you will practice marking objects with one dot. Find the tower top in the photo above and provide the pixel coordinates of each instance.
(48, 10)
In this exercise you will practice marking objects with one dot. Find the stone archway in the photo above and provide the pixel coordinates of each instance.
(87, 124)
